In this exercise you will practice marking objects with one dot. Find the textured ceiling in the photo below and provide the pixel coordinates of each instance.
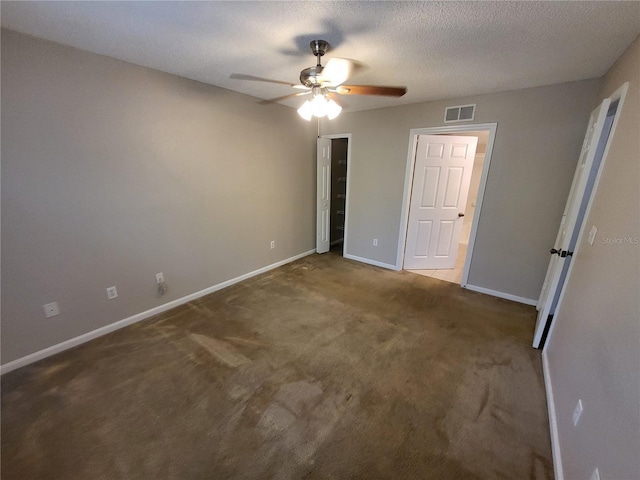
(437, 49)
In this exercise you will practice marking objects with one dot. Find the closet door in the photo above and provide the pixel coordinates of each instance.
(323, 199)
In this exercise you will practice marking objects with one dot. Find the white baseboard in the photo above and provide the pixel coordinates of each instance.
(506, 296)
(553, 424)
(73, 342)
(370, 262)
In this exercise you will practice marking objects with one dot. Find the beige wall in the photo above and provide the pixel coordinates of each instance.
(112, 172)
(594, 349)
(538, 140)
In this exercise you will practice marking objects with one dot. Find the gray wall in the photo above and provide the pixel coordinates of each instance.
(539, 136)
(112, 172)
(594, 349)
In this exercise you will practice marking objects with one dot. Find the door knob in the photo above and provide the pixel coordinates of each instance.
(461, 214)
(561, 253)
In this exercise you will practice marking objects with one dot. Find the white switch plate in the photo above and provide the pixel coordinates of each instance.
(577, 412)
(159, 278)
(51, 309)
(112, 293)
(375, 242)
(273, 244)
(592, 234)
(595, 475)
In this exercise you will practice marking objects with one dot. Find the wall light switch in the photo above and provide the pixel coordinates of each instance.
(159, 278)
(592, 234)
(375, 242)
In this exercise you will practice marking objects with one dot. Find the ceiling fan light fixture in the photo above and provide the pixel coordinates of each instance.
(306, 111)
(319, 106)
(333, 109)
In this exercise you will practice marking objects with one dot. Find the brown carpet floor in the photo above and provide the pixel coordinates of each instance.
(322, 369)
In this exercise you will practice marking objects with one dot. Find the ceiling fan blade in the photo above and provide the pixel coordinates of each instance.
(371, 90)
(284, 97)
(335, 98)
(337, 71)
(242, 76)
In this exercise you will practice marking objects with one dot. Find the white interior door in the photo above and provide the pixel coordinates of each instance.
(569, 225)
(442, 173)
(323, 199)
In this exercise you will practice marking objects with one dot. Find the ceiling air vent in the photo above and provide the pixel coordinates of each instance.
(461, 113)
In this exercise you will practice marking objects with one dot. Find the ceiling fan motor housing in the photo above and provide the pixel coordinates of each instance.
(311, 76)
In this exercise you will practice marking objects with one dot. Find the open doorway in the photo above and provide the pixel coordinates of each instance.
(455, 274)
(470, 212)
(332, 202)
(339, 148)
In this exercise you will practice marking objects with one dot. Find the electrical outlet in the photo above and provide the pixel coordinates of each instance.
(577, 412)
(159, 278)
(375, 242)
(112, 293)
(51, 310)
(595, 475)
(273, 244)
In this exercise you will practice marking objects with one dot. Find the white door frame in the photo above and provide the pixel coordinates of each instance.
(408, 182)
(346, 203)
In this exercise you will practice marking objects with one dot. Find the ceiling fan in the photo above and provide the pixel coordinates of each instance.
(324, 83)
